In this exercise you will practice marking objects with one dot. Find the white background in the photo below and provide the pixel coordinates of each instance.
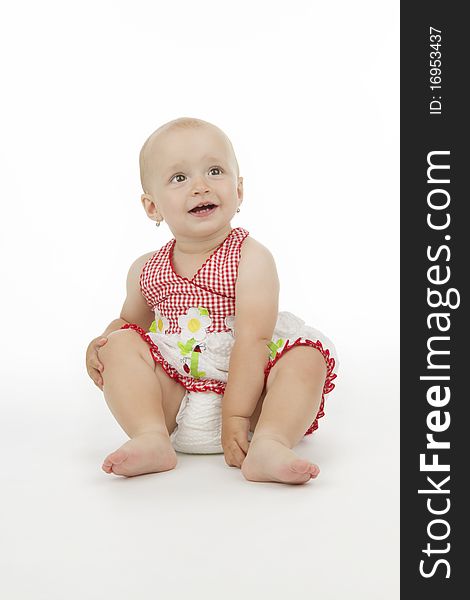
(308, 93)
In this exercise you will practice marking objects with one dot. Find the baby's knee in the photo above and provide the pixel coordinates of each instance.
(305, 363)
(119, 344)
(312, 364)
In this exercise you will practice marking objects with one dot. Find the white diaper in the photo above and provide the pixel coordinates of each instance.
(199, 424)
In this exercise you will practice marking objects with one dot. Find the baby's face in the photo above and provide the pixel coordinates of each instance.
(189, 167)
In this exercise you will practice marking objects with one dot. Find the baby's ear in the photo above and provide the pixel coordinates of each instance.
(150, 207)
(240, 188)
(147, 202)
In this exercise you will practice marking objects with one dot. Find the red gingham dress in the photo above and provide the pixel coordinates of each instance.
(193, 331)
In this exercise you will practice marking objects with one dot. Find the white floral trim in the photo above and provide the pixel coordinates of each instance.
(160, 325)
(194, 323)
(230, 323)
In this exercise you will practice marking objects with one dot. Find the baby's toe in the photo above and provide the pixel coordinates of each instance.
(314, 471)
(304, 469)
(115, 458)
(300, 465)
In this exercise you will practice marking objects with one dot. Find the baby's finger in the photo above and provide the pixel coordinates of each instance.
(100, 343)
(230, 458)
(99, 382)
(243, 443)
(238, 454)
(95, 375)
(95, 360)
(95, 369)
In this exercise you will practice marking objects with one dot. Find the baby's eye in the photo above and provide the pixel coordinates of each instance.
(175, 177)
(218, 169)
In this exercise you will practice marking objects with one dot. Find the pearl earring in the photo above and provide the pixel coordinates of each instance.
(238, 209)
(157, 223)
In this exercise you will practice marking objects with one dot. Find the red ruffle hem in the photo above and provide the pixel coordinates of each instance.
(213, 385)
(330, 375)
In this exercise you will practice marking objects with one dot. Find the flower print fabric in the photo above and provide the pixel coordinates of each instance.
(160, 324)
(194, 323)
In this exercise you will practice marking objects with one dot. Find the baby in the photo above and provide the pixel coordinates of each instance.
(200, 360)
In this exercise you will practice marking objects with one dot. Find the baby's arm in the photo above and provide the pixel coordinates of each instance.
(134, 310)
(256, 309)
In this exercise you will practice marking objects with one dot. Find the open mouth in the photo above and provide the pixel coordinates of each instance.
(203, 209)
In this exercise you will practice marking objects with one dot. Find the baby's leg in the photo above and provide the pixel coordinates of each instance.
(293, 395)
(137, 392)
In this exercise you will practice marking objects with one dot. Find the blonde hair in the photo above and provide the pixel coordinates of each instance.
(180, 123)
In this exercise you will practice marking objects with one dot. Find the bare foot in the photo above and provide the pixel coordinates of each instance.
(150, 452)
(269, 460)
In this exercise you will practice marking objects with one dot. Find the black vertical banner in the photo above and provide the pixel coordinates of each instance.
(435, 250)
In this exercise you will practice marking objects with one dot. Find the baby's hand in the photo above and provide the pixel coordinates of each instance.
(235, 442)
(93, 365)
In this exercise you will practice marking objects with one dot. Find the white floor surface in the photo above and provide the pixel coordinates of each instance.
(70, 531)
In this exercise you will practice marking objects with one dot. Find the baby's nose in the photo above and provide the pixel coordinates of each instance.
(200, 187)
